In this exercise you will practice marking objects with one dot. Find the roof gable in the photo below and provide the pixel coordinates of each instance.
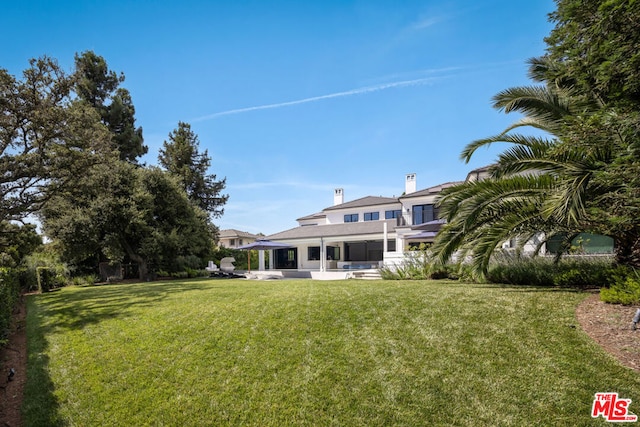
(431, 190)
(318, 215)
(363, 202)
(334, 230)
(232, 233)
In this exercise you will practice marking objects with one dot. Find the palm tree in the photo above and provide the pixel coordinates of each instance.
(540, 186)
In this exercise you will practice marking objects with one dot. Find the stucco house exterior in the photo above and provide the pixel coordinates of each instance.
(231, 238)
(359, 234)
(372, 231)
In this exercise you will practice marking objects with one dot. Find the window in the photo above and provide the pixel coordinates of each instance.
(424, 213)
(351, 218)
(393, 214)
(372, 216)
(239, 242)
(313, 253)
(232, 242)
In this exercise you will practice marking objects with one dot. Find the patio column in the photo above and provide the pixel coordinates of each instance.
(385, 246)
(400, 243)
(271, 264)
(260, 260)
(323, 255)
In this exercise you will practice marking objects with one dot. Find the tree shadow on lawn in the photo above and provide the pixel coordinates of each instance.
(94, 304)
(40, 406)
(76, 310)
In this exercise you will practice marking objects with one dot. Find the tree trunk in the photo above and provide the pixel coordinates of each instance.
(143, 269)
(627, 250)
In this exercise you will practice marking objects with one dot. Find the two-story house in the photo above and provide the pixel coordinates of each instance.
(362, 233)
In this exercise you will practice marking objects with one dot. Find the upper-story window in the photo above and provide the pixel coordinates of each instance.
(351, 218)
(232, 242)
(392, 214)
(371, 216)
(424, 213)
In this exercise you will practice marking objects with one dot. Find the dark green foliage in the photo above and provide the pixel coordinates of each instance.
(582, 176)
(9, 294)
(16, 242)
(583, 273)
(99, 87)
(240, 256)
(47, 138)
(43, 271)
(594, 47)
(69, 148)
(589, 274)
(180, 156)
(625, 291)
(48, 279)
(189, 262)
(120, 212)
(533, 272)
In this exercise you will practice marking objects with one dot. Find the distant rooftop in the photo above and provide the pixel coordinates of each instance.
(236, 233)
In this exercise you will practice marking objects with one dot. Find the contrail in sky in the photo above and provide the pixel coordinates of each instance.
(359, 91)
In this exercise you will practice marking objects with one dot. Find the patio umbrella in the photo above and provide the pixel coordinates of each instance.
(261, 245)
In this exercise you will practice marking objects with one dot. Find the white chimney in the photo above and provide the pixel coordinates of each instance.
(410, 183)
(338, 196)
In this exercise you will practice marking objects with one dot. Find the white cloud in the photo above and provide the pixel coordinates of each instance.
(425, 23)
(359, 91)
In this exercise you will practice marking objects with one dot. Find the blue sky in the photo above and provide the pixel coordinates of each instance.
(293, 99)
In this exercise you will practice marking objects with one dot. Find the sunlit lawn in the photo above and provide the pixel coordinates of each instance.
(301, 352)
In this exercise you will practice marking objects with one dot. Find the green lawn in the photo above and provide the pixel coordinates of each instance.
(301, 352)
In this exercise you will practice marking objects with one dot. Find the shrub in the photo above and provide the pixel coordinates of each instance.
(180, 275)
(189, 262)
(588, 273)
(87, 280)
(522, 271)
(625, 291)
(163, 273)
(45, 271)
(9, 294)
(417, 264)
(583, 272)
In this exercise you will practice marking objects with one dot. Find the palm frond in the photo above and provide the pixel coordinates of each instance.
(511, 138)
(534, 101)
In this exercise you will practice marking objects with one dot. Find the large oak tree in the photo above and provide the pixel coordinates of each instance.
(119, 212)
(47, 137)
